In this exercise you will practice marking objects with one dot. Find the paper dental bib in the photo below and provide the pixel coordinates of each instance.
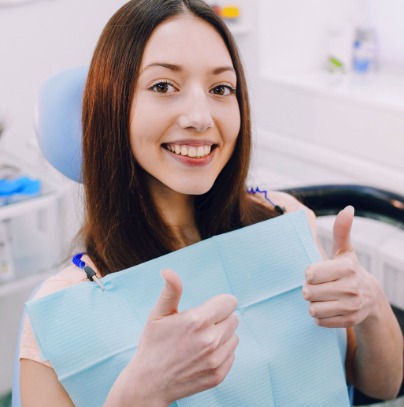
(283, 359)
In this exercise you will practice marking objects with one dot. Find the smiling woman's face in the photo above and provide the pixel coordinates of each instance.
(185, 116)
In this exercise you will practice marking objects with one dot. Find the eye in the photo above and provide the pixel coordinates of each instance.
(162, 87)
(223, 90)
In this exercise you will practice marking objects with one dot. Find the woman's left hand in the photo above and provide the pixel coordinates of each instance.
(341, 294)
(340, 291)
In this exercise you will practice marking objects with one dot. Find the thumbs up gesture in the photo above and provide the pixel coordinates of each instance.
(182, 353)
(340, 292)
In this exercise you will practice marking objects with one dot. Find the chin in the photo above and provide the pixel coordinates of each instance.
(194, 189)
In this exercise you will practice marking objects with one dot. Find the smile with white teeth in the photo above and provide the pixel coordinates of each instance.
(190, 151)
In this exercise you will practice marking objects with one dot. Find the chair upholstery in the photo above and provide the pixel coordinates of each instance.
(58, 120)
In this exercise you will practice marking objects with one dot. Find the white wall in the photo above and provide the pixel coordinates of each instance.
(355, 125)
(37, 40)
(387, 16)
(293, 33)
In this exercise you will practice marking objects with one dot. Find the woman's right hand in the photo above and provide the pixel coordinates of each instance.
(179, 353)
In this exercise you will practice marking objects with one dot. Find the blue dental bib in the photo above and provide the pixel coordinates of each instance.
(283, 359)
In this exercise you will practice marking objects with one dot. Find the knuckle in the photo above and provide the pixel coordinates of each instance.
(353, 291)
(217, 377)
(356, 304)
(195, 320)
(213, 363)
(235, 321)
(209, 342)
(219, 374)
(350, 266)
(350, 320)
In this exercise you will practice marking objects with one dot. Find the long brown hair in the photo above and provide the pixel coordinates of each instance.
(122, 225)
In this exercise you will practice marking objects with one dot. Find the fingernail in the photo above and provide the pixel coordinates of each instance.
(350, 209)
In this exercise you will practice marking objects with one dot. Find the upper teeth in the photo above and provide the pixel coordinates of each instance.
(190, 151)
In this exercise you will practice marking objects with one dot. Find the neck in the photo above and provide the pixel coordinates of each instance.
(177, 211)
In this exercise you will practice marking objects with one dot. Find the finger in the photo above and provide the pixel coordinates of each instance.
(227, 365)
(170, 296)
(220, 364)
(217, 309)
(340, 321)
(326, 309)
(342, 231)
(226, 329)
(228, 348)
(323, 292)
(324, 272)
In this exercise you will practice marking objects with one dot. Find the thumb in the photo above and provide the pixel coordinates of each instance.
(342, 231)
(170, 296)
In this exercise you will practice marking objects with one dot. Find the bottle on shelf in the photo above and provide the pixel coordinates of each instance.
(339, 39)
(365, 51)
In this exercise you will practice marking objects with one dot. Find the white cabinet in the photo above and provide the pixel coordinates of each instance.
(39, 230)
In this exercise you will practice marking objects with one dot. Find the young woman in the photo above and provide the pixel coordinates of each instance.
(166, 144)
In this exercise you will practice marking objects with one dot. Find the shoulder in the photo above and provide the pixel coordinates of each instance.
(286, 201)
(65, 278)
(289, 203)
(71, 275)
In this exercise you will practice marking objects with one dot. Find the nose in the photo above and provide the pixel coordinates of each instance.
(196, 114)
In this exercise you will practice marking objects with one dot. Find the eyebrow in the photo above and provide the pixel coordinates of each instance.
(177, 68)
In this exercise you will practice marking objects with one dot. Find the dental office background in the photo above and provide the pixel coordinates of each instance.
(327, 90)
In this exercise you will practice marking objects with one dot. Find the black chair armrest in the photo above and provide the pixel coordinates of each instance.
(369, 202)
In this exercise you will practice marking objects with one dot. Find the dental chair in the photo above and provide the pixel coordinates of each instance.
(58, 128)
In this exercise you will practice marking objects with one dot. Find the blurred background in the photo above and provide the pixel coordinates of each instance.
(327, 90)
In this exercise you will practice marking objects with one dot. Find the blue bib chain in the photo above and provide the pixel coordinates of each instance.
(76, 260)
(254, 190)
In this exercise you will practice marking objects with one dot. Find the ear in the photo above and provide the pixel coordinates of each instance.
(58, 120)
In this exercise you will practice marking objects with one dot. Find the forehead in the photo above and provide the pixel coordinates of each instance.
(186, 40)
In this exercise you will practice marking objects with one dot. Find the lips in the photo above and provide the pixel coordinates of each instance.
(191, 151)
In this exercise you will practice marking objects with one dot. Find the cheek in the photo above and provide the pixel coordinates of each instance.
(145, 130)
(231, 123)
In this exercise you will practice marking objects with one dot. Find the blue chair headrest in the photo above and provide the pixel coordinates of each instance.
(58, 120)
